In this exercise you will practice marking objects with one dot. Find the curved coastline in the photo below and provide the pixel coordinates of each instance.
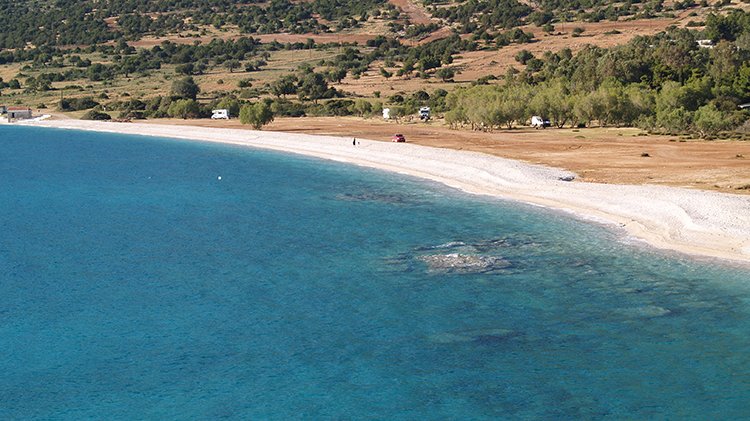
(699, 223)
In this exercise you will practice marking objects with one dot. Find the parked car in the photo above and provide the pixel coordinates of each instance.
(537, 122)
(398, 138)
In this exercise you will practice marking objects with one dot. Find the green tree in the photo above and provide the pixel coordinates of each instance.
(709, 121)
(584, 108)
(285, 85)
(741, 82)
(362, 107)
(231, 65)
(185, 69)
(677, 120)
(185, 88)
(523, 56)
(676, 54)
(406, 68)
(258, 114)
(184, 108)
(336, 75)
(552, 100)
(313, 87)
(230, 104)
(129, 65)
(514, 104)
(672, 108)
(446, 73)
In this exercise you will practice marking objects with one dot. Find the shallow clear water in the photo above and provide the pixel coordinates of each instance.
(134, 284)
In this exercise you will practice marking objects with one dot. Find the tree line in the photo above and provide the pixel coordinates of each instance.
(664, 83)
(90, 22)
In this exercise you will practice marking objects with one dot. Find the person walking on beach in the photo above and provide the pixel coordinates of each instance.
(354, 142)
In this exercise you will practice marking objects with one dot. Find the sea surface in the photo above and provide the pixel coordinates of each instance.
(147, 278)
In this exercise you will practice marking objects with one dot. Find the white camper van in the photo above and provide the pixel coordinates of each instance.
(220, 114)
(424, 113)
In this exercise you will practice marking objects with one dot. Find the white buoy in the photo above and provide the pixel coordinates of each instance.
(219, 177)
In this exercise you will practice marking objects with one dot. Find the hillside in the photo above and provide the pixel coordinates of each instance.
(340, 57)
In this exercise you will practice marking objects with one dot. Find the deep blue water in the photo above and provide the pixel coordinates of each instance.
(135, 284)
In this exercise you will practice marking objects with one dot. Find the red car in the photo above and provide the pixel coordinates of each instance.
(398, 138)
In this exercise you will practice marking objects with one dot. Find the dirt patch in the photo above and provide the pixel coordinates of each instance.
(417, 14)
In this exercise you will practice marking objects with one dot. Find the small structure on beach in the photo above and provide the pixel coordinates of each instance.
(18, 113)
(3, 109)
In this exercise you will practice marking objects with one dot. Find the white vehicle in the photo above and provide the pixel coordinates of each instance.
(424, 113)
(537, 122)
(220, 114)
(386, 113)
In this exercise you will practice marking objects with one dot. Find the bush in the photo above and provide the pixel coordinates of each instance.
(523, 56)
(184, 108)
(96, 115)
(134, 115)
(286, 108)
(77, 104)
(342, 107)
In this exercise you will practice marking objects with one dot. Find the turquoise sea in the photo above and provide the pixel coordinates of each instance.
(136, 284)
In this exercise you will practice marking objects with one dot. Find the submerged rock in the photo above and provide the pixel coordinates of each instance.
(647, 311)
(463, 263)
(374, 197)
(480, 336)
(490, 245)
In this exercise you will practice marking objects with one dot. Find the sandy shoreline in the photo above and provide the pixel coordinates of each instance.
(696, 222)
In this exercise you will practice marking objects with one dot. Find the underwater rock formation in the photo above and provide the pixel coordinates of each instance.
(480, 336)
(463, 263)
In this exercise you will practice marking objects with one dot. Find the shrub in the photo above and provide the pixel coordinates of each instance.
(286, 108)
(523, 56)
(96, 115)
(184, 108)
(76, 104)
